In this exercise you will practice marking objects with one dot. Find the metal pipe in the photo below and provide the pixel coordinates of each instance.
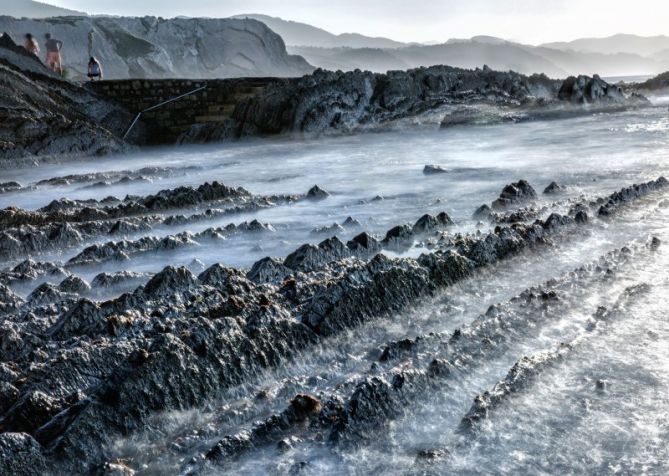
(159, 105)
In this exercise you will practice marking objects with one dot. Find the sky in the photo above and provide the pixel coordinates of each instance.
(528, 21)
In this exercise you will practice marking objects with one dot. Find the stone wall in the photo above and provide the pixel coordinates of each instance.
(165, 124)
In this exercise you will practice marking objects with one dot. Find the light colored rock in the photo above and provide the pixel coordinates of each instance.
(151, 47)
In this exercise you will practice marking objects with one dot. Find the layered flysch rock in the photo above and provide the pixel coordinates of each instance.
(76, 374)
(152, 47)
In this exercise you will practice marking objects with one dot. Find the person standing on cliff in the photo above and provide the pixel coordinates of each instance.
(94, 69)
(53, 49)
(31, 45)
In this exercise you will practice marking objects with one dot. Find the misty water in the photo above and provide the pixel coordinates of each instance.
(563, 422)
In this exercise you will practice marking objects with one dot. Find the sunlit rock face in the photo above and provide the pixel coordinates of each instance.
(150, 47)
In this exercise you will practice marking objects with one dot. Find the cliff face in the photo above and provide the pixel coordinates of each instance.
(43, 115)
(152, 47)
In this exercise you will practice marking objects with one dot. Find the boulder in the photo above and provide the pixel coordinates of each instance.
(434, 169)
(554, 189)
(514, 194)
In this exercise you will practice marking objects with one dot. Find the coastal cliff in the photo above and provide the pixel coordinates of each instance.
(150, 47)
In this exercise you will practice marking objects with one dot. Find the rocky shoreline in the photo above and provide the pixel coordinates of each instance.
(78, 373)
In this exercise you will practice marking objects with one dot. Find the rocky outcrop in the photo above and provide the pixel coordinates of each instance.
(658, 83)
(151, 47)
(43, 115)
(359, 100)
(76, 374)
(513, 194)
(586, 90)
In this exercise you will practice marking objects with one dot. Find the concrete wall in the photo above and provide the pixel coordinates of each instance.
(164, 125)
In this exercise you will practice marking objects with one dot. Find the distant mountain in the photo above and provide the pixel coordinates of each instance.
(661, 56)
(633, 44)
(348, 59)
(302, 34)
(483, 50)
(32, 9)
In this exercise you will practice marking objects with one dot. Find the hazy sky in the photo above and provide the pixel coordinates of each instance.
(530, 21)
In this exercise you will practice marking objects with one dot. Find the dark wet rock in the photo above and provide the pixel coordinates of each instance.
(317, 193)
(655, 243)
(401, 347)
(288, 444)
(495, 246)
(429, 455)
(120, 278)
(351, 223)
(363, 291)
(521, 375)
(302, 407)
(446, 267)
(70, 211)
(434, 170)
(91, 372)
(9, 187)
(428, 223)
(364, 245)
(554, 189)
(268, 270)
(47, 293)
(482, 213)
(556, 221)
(581, 217)
(308, 257)
(9, 301)
(627, 194)
(399, 236)
(74, 284)
(514, 194)
(218, 275)
(21, 455)
(353, 100)
(170, 280)
(9, 395)
(31, 411)
(584, 89)
(522, 215)
(29, 270)
(121, 250)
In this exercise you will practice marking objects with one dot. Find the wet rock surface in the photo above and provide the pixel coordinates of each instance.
(79, 372)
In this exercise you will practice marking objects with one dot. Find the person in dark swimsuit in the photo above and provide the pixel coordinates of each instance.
(94, 69)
